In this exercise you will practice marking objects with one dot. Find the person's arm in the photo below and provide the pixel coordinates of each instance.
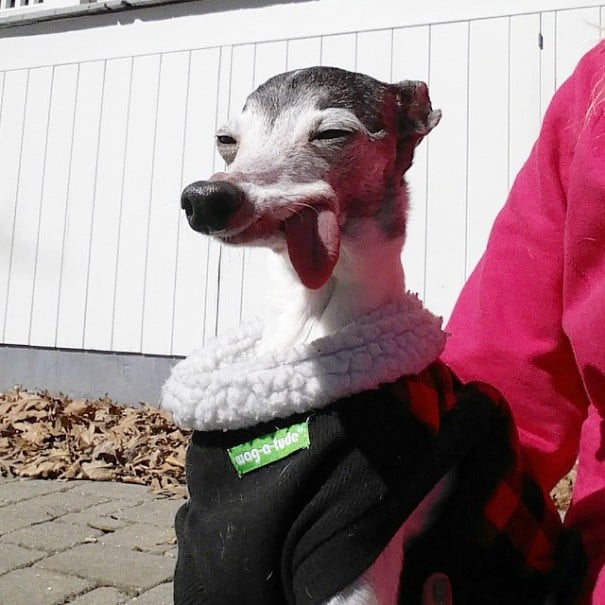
(506, 328)
(531, 319)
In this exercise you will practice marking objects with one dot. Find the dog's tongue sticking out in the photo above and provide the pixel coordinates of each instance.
(313, 239)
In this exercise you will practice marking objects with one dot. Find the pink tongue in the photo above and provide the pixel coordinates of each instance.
(313, 239)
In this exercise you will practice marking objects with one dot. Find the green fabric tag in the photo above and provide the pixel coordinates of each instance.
(270, 448)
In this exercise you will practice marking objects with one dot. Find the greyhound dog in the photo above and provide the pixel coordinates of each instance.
(335, 460)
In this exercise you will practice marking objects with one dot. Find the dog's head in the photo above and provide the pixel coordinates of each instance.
(313, 152)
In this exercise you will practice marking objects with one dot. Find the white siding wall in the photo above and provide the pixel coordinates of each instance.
(102, 125)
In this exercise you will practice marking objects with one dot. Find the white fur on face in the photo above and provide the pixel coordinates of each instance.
(284, 197)
(276, 162)
(282, 163)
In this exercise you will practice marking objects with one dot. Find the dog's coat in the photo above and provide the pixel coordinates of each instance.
(299, 530)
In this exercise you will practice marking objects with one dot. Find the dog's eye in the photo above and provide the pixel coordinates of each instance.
(225, 139)
(330, 134)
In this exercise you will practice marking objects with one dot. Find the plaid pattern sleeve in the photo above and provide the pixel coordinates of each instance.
(497, 517)
(517, 507)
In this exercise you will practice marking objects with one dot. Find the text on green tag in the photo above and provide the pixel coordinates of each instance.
(270, 448)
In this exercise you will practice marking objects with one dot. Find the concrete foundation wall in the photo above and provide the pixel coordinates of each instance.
(126, 378)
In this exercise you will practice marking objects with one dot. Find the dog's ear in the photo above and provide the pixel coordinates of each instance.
(416, 118)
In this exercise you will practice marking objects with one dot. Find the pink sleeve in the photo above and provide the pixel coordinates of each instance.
(506, 327)
(531, 318)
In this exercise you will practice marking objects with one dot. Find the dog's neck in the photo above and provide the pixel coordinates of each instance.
(368, 275)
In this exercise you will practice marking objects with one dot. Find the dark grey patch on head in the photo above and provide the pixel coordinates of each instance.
(330, 86)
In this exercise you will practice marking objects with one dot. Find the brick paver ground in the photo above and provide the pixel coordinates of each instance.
(85, 543)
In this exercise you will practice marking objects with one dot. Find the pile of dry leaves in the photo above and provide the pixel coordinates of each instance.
(56, 437)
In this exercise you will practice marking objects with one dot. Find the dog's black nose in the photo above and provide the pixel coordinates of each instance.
(210, 204)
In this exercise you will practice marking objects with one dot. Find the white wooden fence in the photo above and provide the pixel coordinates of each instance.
(103, 120)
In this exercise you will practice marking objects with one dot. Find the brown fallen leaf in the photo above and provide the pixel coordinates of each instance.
(173, 461)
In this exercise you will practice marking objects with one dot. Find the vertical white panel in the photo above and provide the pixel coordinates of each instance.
(374, 54)
(191, 305)
(76, 243)
(14, 93)
(252, 65)
(231, 269)
(446, 215)
(223, 94)
(135, 196)
(54, 200)
(80, 201)
(164, 211)
(269, 60)
(27, 218)
(339, 50)
(242, 77)
(411, 49)
(487, 130)
(525, 90)
(215, 250)
(304, 53)
(2, 74)
(548, 60)
(107, 205)
(577, 32)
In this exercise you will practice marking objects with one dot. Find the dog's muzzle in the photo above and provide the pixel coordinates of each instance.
(209, 205)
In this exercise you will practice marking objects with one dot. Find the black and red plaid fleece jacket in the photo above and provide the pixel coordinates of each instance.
(310, 524)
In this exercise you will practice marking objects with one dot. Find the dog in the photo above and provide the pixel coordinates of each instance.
(335, 459)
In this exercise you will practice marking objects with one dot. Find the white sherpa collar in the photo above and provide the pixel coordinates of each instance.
(226, 385)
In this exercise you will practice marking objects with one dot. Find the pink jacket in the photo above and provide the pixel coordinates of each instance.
(531, 319)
